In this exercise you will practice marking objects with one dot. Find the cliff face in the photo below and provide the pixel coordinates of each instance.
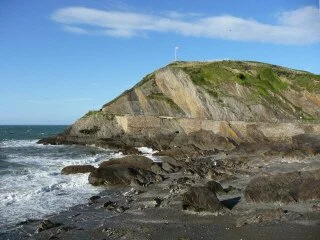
(206, 106)
(227, 90)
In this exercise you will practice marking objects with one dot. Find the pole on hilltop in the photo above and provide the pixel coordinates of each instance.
(175, 53)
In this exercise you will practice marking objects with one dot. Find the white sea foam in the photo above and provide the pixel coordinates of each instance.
(19, 143)
(146, 150)
(37, 188)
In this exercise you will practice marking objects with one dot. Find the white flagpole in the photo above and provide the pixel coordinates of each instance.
(175, 53)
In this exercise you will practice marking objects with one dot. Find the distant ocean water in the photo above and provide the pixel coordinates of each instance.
(31, 185)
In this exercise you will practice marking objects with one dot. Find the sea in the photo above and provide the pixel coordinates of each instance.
(31, 186)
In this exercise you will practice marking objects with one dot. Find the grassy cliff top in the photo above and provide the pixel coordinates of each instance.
(265, 77)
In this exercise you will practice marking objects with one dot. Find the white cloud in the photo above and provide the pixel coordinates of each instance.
(301, 26)
(179, 15)
(73, 29)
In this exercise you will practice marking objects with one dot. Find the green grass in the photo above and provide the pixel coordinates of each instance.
(106, 115)
(308, 82)
(162, 97)
(263, 80)
(266, 83)
(210, 76)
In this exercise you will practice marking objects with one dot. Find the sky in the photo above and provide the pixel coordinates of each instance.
(61, 58)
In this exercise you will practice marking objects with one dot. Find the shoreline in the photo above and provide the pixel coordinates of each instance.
(155, 212)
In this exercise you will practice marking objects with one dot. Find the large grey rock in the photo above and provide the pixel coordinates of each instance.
(132, 161)
(284, 187)
(201, 199)
(117, 175)
(73, 169)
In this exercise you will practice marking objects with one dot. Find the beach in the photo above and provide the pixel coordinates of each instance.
(156, 211)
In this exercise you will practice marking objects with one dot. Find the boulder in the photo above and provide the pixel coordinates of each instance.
(285, 187)
(214, 186)
(201, 199)
(73, 169)
(118, 175)
(132, 161)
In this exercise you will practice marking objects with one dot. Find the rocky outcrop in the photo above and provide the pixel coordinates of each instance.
(201, 199)
(285, 187)
(117, 175)
(210, 106)
(227, 90)
(132, 161)
(130, 170)
(190, 134)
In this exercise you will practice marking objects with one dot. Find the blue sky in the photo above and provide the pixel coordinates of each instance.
(61, 58)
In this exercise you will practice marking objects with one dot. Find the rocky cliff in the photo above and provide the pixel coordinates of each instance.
(227, 90)
(207, 106)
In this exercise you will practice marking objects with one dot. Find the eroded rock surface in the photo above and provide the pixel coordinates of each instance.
(117, 175)
(285, 187)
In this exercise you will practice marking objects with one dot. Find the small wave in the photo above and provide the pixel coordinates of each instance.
(37, 188)
(24, 198)
(19, 143)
